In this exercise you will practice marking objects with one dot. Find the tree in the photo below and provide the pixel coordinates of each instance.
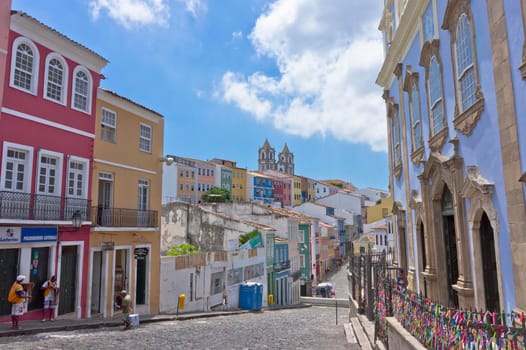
(247, 237)
(217, 195)
(182, 249)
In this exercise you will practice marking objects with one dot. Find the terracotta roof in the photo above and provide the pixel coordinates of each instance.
(131, 101)
(23, 14)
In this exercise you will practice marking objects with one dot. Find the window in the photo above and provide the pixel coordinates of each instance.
(469, 98)
(81, 90)
(143, 195)
(435, 97)
(302, 261)
(428, 23)
(416, 118)
(464, 60)
(49, 174)
(55, 79)
(301, 236)
(108, 125)
(16, 176)
(145, 141)
(77, 178)
(24, 65)
(396, 140)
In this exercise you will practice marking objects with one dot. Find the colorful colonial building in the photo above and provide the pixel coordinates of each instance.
(47, 131)
(454, 80)
(126, 192)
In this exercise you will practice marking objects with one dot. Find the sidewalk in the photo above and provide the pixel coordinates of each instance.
(68, 324)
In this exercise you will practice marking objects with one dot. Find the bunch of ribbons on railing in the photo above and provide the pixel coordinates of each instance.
(439, 327)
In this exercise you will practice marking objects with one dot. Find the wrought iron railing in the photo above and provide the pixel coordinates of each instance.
(32, 206)
(122, 217)
(282, 265)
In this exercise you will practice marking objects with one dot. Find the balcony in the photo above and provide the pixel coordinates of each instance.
(121, 217)
(283, 265)
(32, 206)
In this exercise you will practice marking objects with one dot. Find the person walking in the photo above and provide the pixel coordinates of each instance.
(50, 289)
(16, 297)
(126, 307)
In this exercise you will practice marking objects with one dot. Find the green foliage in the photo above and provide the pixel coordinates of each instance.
(247, 237)
(182, 249)
(339, 185)
(217, 195)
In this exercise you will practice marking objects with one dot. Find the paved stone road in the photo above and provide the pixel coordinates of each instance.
(298, 328)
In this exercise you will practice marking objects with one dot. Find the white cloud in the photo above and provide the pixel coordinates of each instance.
(237, 35)
(195, 7)
(132, 13)
(138, 13)
(328, 55)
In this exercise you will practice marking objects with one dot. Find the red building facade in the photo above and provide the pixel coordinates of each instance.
(47, 125)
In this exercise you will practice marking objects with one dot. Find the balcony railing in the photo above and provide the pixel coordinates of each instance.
(32, 206)
(120, 217)
(282, 265)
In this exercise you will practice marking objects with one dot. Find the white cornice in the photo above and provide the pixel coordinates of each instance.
(400, 45)
(46, 122)
(124, 166)
(42, 34)
(128, 105)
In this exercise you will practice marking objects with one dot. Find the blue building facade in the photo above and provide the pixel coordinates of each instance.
(454, 86)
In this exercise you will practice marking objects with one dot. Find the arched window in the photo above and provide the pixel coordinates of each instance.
(465, 69)
(435, 97)
(55, 84)
(416, 118)
(81, 90)
(24, 65)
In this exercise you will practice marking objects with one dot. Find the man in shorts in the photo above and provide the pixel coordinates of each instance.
(127, 308)
(50, 299)
(16, 297)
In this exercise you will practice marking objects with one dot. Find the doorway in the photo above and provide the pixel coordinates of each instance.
(104, 212)
(96, 283)
(68, 280)
(141, 280)
(38, 274)
(450, 245)
(489, 265)
(8, 273)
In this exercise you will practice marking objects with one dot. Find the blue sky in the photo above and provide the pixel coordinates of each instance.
(226, 74)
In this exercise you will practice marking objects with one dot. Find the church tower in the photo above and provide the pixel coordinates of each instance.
(266, 157)
(286, 161)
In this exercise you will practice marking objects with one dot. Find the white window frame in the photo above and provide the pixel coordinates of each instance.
(439, 99)
(141, 137)
(105, 124)
(143, 184)
(64, 83)
(58, 168)
(89, 92)
(85, 174)
(28, 165)
(470, 68)
(36, 64)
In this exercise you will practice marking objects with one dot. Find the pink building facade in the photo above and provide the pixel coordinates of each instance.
(47, 125)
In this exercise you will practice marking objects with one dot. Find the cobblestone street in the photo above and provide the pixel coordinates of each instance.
(298, 328)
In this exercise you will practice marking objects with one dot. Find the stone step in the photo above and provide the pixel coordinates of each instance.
(360, 334)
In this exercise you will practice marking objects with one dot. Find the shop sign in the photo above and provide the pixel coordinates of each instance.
(140, 253)
(107, 246)
(39, 234)
(10, 234)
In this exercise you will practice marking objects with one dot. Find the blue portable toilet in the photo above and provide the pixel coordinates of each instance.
(250, 296)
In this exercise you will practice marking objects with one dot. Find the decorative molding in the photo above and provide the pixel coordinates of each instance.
(453, 11)
(437, 141)
(466, 121)
(418, 156)
(429, 49)
(410, 78)
(416, 201)
(397, 171)
(474, 184)
(398, 70)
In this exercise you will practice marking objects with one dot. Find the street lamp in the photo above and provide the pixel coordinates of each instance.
(76, 220)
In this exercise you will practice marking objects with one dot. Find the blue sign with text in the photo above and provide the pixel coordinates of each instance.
(39, 234)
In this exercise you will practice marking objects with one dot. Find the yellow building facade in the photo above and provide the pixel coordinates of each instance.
(126, 193)
(380, 210)
(239, 184)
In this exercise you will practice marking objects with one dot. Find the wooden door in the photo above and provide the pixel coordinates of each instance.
(8, 272)
(68, 279)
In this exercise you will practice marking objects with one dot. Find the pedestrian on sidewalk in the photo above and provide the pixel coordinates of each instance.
(126, 307)
(401, 280)
(50, 289)
(17, 297)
